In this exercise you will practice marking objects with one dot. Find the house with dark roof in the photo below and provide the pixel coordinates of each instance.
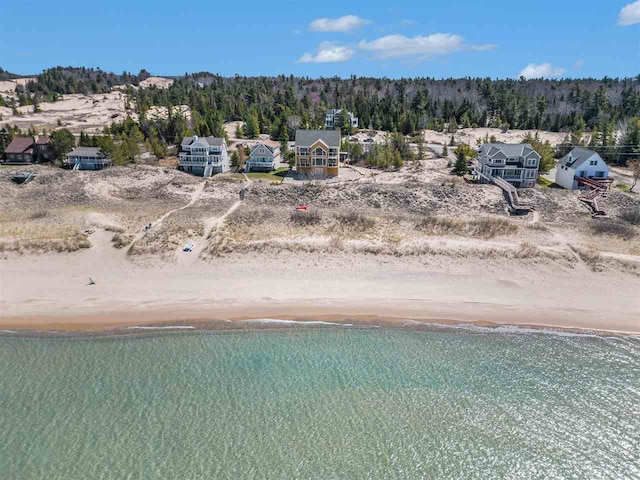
(204, 156)
(517, 164)
(317, 152)
(87, 158)
(28, 150)
(264, 157)
(20, 150)
(581, 163)
(43, 149)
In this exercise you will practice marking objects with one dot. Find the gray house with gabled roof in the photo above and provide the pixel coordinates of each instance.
(87, 158)
(204, 156)
(517, 164)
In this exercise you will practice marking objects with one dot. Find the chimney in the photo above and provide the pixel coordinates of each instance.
(195, 138)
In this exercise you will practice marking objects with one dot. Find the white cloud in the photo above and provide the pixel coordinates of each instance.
(342, 24)
(327, 52)
(630, 14)
(544, 70)
(423, 47)
(579, 64)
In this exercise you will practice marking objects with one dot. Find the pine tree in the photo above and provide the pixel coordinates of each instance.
(252, 126)
(460, 166)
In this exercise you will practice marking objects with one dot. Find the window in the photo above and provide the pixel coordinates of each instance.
(318, 162)
(599, 174)
(333, 162)
(304, 151)
(333, 151)
(319, 151)
(531, 162)
(304, 162)
(531, 174)
(593, 162)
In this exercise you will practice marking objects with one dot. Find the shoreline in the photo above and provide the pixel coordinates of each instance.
(170, 321)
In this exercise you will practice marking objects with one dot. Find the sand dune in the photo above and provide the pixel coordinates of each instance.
(377, 248)
(90, 113)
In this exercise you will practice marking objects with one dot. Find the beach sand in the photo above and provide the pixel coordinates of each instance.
(399, 246)
(50, 291)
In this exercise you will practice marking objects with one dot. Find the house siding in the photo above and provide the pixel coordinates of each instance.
(318, 159)
(516, 164)
(593, 166)
(200, 157)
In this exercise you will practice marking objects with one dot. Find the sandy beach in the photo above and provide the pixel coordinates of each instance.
(51, 292)
(385, 248)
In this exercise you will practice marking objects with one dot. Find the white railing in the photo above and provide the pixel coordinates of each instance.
(187, 160)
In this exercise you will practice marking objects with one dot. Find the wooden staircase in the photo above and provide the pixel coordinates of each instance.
(597, 189)
(510, 194)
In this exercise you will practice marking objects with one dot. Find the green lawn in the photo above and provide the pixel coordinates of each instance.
(544, 183)
(624, 187)
(275, 176)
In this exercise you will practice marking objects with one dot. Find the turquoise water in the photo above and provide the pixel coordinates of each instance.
(321, 403)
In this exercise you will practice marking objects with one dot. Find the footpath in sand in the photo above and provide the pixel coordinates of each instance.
(407, 245)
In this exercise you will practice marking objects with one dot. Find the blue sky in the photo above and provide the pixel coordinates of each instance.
(493, 38)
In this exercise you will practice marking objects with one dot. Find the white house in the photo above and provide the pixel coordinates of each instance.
(203, 156)
(87, 158)
(517, 164)
(580, 162)
(264, 157)
(331, 115)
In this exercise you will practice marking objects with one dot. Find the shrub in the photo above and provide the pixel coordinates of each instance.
(39, 214)
(491, 227)
(615, 229)
(120, 240)
(356, 220)
(487, 227)
(631, 215)
(300, 217)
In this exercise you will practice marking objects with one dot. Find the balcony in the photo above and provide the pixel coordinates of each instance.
(198, 161)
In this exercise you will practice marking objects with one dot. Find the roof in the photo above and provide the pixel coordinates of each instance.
(509, 149)
(43, 141)
(578, 156)
(306, 138)
(206, 141)
(85, 152)
(270, 144)
(19, 145)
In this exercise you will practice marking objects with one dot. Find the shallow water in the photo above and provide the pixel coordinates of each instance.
(321, 402)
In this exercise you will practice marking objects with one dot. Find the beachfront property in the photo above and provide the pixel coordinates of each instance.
(264, 157)
(87, 158)
(204, 156)
(331, 115)
(582, 163)
(317, 152)
(517, 164)
(28, 150)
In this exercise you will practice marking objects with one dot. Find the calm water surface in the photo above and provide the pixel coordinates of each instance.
(321, 403)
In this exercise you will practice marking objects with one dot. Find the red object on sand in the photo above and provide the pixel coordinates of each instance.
(302, 207)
